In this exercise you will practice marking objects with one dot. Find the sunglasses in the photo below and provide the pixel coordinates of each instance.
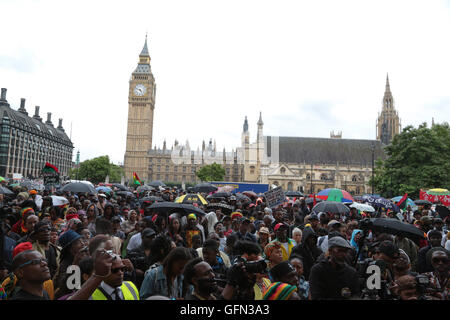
(115, 270)
(437, 260)
(32, 262)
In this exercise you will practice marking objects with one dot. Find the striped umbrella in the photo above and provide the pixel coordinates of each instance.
(334, 194)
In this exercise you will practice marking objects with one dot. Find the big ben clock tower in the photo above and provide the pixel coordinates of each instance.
(141, 103)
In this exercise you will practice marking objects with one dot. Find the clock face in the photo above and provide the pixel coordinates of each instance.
(139, 90)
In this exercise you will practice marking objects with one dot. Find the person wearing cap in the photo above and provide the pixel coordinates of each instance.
(385, 255)
(284, 272)
(435, 241)
(439, 276)
(19, 227)
(332, 226)
(11, 283)
(140, 257)
(287, 244)
(308, 250)
(191, 230)
(331, 277)
(281, 291)
(227, 224)
(409, 247)
(263, 237)
(73, 250)
(31, 270)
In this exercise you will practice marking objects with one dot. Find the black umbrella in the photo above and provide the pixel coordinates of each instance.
(293, 194)
(220, 194)
(422, 202)
(144, 188)
(393, 226)
(311, 200)
(204, 187)
(121, 187)
(78, 187)
(124, 193)
(151, 199)
(443, 211)
(242, 198)
(331, 206)
(157, 183)
(227, 209)
(4, 190)
(171, 207)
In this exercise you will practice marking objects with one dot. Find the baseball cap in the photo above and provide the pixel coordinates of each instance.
(333, 222)
(192, 216)
(339, 242)
(389, 248)
(313, 217)
(148, 232)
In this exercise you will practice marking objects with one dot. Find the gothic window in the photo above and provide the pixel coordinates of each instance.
(290, 186)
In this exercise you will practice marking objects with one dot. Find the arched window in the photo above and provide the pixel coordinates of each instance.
(290, 186)
(276, 183)
(354, 178)
(308, 176)
(283, 170)
(323, 176)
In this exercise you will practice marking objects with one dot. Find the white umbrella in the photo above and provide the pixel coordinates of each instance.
(362, 207)
(57, 201)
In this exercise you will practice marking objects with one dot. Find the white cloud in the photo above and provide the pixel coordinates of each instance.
(309, 66)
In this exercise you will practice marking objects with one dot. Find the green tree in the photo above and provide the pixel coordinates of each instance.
(211, 172)
(416, 159)
(96, 170)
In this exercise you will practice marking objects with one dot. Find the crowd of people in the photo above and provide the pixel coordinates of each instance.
(105, 246)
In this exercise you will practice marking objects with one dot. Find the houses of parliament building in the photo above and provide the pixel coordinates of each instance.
(295, 163)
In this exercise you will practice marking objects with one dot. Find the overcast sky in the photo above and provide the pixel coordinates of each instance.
(309, 66)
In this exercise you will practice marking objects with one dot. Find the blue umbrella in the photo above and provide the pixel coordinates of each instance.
(104, 189)
(409, 201)
(380, 202)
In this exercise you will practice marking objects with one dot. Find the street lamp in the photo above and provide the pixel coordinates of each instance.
(373, 160)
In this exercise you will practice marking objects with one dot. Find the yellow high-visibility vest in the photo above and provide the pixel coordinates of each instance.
(129, 290)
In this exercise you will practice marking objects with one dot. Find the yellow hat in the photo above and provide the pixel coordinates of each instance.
(192, 216)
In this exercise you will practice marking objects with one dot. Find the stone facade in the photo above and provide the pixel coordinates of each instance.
(27, 143)
(388, 122)
(141, 104)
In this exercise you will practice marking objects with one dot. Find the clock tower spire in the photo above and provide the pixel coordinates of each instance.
(141, 104)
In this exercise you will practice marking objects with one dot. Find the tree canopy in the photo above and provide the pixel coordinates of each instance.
(417, 158)
(96, 170)
(211, 172)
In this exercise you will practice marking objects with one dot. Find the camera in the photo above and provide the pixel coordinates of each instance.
(259, 266)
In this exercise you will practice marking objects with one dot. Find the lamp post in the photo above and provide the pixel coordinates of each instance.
(373, 160)
(311, 191)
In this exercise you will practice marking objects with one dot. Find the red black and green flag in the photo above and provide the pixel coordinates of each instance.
(136, 179)
(50, 173)
(402, 202)
(49, 168)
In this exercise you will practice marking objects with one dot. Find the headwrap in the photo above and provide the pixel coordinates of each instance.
(279, 291)
(235, 215)
(70, 216)
(268, 249)
(26, 211)
(32, 192)
(352, 241)
(192, 216)
(24, 195)
(24, 246)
